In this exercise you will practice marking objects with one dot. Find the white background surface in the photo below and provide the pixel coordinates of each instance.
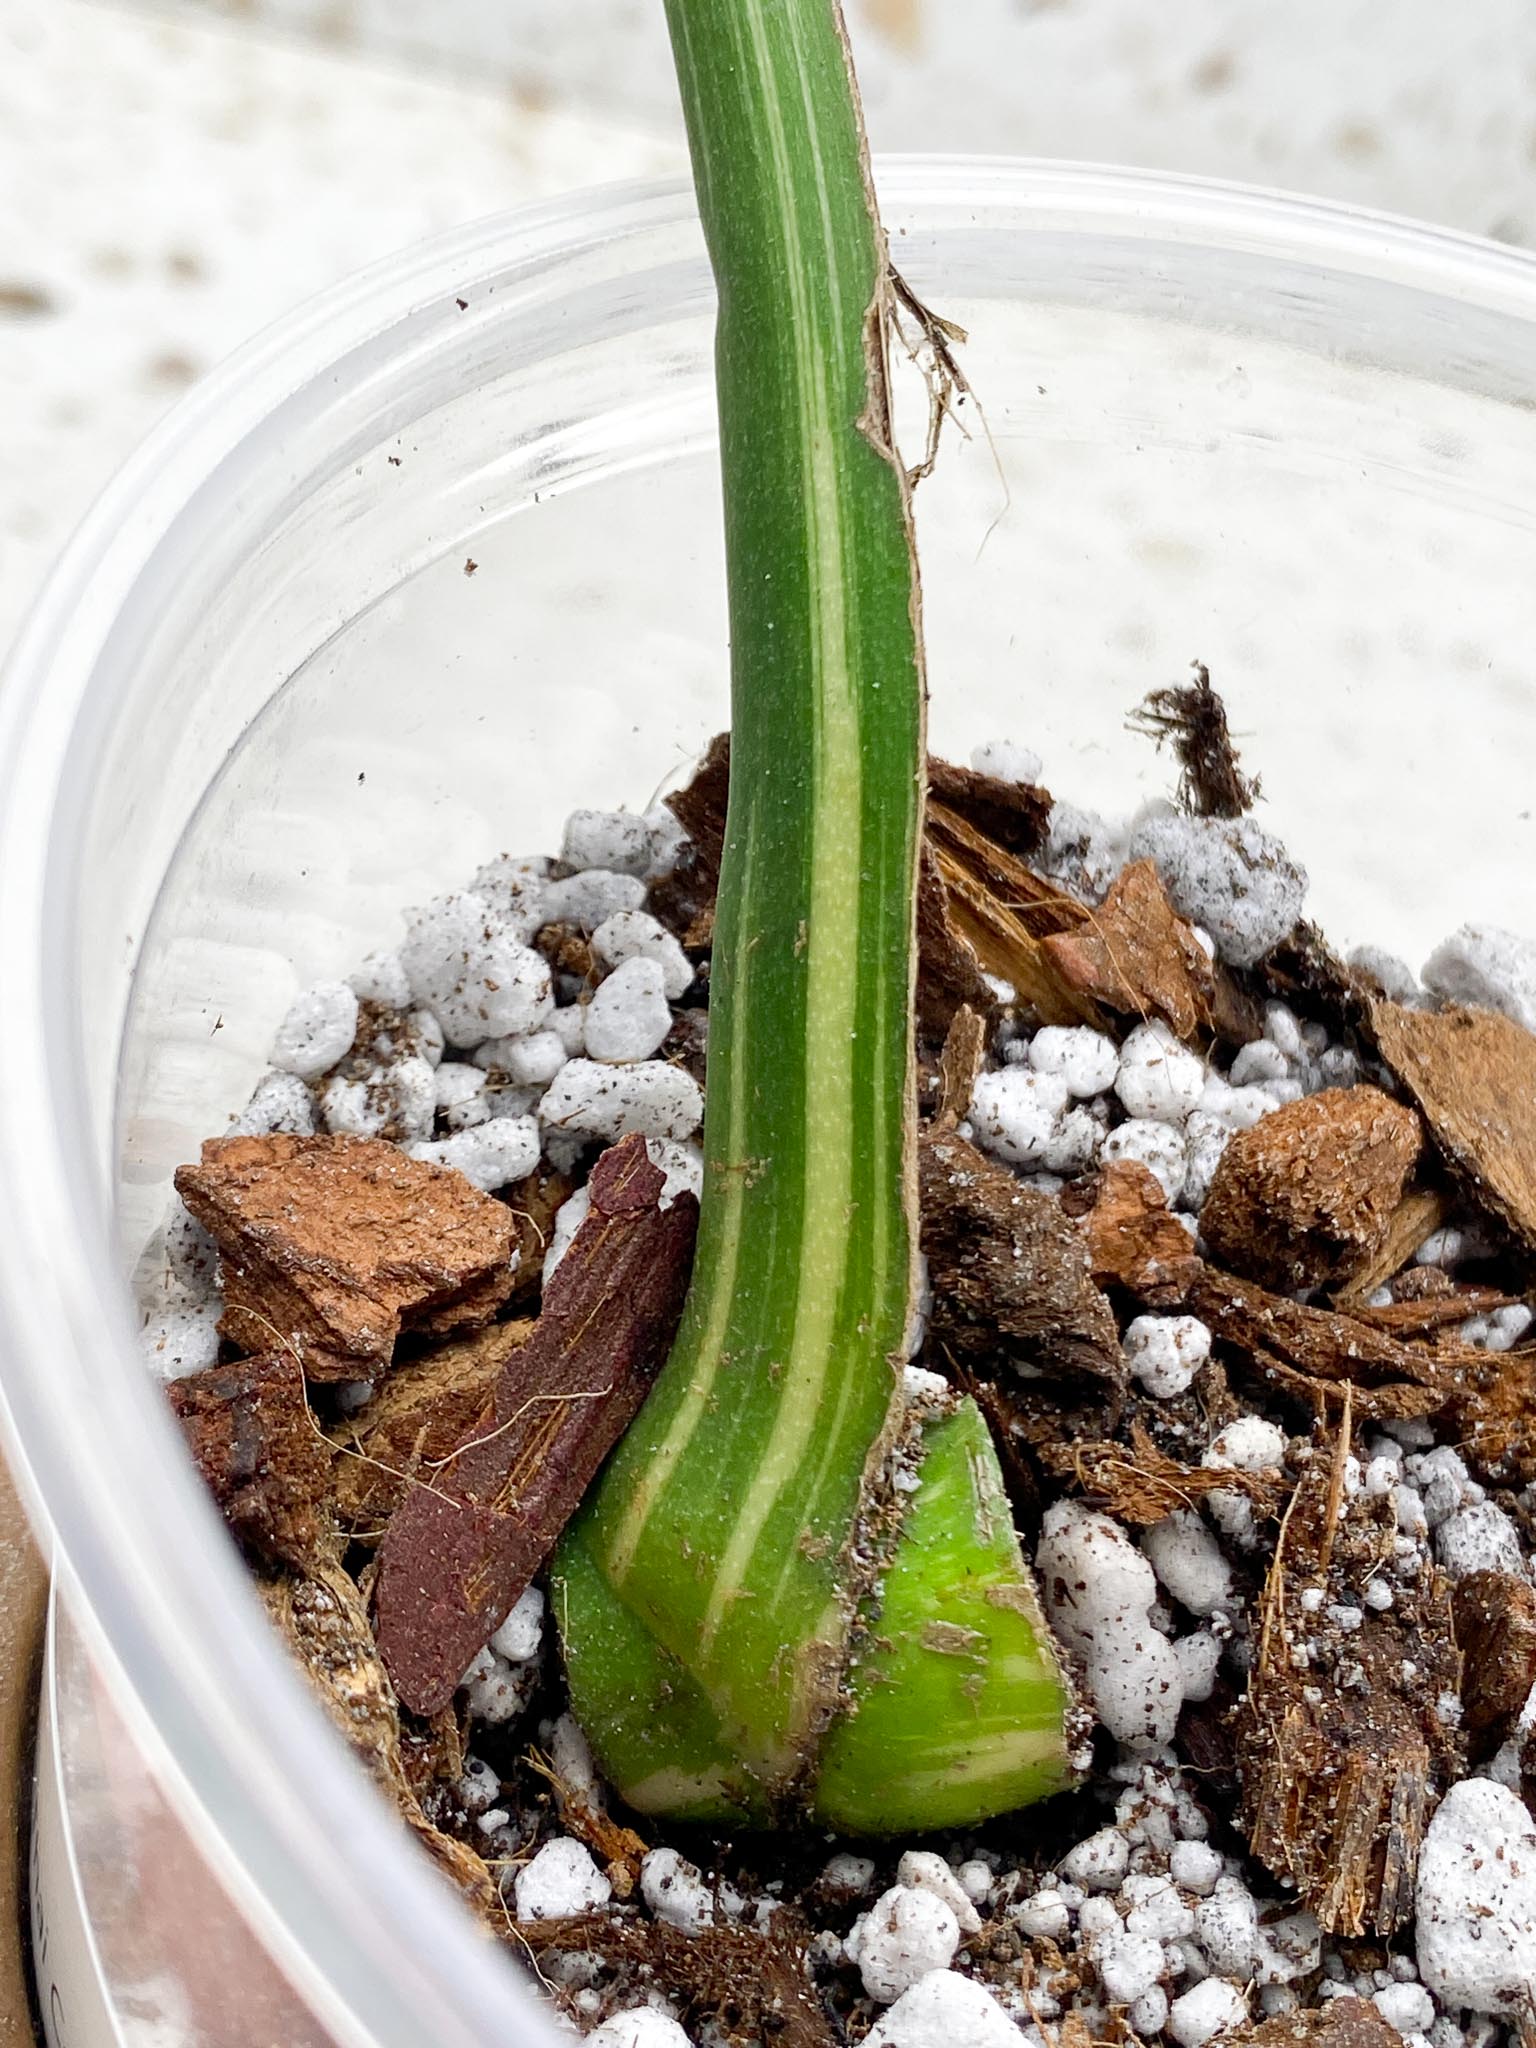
(172, 180)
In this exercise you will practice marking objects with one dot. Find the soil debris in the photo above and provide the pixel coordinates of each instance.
(261, 1454)
(1014, 815)
(1137, 957)
(1133, 1239)
(753, 1986)
(1192, 718)
(322, 1617)
(1009, 1271)
(1343, 1742)
(1473, 1075)
(333, 1245)
(417, 1419)
(1340, 2023)
(1310, 1190)
(462, 1547)
(533, 1203)
(1140, 1484)
(1495, 1616)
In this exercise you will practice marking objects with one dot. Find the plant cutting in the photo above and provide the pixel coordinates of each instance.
(493, 1356)
(750, 1611)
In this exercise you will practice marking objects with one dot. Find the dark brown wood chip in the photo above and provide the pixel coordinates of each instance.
(1009, 1270)
(1473, 1074)
(1308, 1194)
(1341, 1741)
(1014, 814)
(260, 1452)
(1318, 1348)
(332, 1245)
(1137, 957)
(1495, 1616)
(461, 1548)
(948, 972)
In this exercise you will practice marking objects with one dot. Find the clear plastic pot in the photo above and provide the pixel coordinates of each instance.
(439, 558)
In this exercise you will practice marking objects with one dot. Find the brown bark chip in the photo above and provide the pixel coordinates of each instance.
(1014, 814)
(1140, 1484)
(1308, 1193)
(418, 1418)
(965, 1047)
(260, 1452)
(1495, 1615)
(463, 1546)
(333, 1245)
(1138, 957)
(1009, 1270)
(1340, 2023)
(1133, 1239)
(1341, 1743)
(948, 972)
(1473, 1074)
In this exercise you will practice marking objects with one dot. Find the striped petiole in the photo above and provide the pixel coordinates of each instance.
(743, 1572)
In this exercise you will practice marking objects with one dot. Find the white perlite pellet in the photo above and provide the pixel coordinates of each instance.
(521, 1634)
(1196, 1866)
(616, 840)
(635, 934)
(496, 1691)
(1211, 2008)
(1228, 875)
(1044, 1913)
(562, 1880)
(1408, 2007)
(597, 1101)
(1477, 1900)
(945, 2010)
(675, 1891)
(1479, 1539)
(1166, 1352)
(1159, 1079)
(513, 885)
(1487, 967)
(317, 1031)
(1189, 1562)
(1085, 1059)
(490, 1156)
(1100, 1591)
(642, 2026)
(1009, 763)
(399, 1100)
(588, 899)
(925, 1870)
(381, 979)
(1129, 1964)
(629, 1016)
(280, 1103)
(182, 1341)
(529, 1062)
(847, 1875)
(1015, 1113)
(1157, 1146)
(1149, 2013)
(904, 1935)
(468, 967)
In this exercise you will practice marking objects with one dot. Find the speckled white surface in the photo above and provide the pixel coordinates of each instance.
(186, 175)
(183, 182)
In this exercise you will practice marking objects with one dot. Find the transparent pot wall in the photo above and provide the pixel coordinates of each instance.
(445, 562)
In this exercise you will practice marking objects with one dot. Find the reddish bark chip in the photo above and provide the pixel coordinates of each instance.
(1308, 1193)
(1495, 1616)
(1134, 1241)
(1138, 957)
(332, 1246)
(461, 1549)
(261, 1455)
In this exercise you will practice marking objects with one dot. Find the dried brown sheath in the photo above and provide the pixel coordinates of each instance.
(464, 1546)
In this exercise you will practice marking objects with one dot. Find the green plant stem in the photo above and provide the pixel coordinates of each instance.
(708, 1591)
